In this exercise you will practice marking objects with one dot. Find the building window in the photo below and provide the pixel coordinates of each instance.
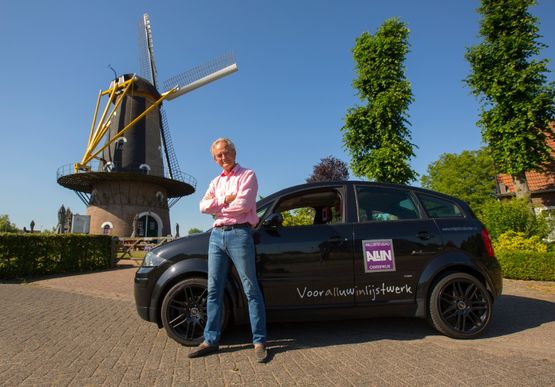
(107, 228)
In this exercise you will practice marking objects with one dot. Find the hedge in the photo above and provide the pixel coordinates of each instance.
(25, 255)
(527, 265)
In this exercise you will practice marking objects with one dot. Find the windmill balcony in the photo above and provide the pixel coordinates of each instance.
(82, 180)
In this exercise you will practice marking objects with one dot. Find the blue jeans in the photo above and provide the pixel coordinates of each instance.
(235, 246)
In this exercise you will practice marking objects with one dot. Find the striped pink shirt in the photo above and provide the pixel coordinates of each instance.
(240, 181)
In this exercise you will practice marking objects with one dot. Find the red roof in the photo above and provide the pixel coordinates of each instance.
(536, 181)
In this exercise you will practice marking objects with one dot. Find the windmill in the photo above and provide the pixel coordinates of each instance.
(129, 175)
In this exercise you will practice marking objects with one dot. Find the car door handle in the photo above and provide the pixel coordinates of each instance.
(424, 235)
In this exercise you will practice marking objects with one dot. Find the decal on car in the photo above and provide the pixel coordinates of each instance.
(372, 291)
(378, 255)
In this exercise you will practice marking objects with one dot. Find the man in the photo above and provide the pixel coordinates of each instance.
(231, 199)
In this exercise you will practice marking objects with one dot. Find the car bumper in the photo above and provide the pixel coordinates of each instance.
(495, 274)
(143, 291)
(143, 312)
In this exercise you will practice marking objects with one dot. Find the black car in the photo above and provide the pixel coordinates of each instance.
(339, 250)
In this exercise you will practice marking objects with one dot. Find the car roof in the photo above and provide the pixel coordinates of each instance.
(324, 184)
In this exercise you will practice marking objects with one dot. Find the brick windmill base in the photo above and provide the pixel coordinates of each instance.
(129, 208)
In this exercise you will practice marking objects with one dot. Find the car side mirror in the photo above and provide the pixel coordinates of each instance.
(273, 221)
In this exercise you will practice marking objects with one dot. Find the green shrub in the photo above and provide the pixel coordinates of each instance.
(23, 255)
(514, 215)
(528, 265)
(524, 258)
(512, 242)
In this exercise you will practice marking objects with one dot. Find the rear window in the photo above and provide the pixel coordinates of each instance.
(384, 204)
(440, 208)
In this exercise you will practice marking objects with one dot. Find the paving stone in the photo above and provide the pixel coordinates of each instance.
(84, 330)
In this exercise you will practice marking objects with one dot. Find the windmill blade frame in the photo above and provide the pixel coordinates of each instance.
(170, 158)
(201, 75)
(145, 44)
(169, 152)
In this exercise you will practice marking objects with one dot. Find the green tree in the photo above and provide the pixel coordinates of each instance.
(6, 225)
(517, 103)
(298, 217)
(194, 230)
(376, 135)
(470, 176)
(514, 215)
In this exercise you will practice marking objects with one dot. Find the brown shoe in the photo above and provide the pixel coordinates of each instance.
(260, 353)
(202, 350)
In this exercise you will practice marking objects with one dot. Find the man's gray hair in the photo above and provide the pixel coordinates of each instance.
(229, 144)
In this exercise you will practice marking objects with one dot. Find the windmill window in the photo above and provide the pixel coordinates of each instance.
(145, 168)
(118, 152)
(120, 142)
(108, 167)
(107, 228)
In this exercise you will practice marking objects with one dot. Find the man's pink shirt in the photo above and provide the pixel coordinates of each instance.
(240, 181)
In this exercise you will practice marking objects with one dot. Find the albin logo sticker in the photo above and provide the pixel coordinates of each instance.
(378, 255)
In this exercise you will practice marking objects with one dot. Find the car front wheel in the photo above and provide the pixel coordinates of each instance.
(184, 311)
(460, 306)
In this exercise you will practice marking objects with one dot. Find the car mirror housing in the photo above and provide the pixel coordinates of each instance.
(273, 221)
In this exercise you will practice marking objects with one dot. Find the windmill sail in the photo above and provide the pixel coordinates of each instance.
(146, 51)
(170, 157)
(169, 153)
(201, 75)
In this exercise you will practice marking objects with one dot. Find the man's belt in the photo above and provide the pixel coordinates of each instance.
(228, 227)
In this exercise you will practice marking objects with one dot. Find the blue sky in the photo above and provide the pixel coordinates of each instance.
(284, 107)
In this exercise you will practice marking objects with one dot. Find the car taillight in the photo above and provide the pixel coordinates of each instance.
(487, 242)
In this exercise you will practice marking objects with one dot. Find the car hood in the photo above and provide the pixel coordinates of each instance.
(195, 245)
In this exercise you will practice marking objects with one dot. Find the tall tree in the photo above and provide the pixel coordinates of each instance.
(470, 176)
(517, 102)
(6, 225)
(329, 169)
(376, 135)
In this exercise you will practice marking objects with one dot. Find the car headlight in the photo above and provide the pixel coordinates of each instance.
(153, 260)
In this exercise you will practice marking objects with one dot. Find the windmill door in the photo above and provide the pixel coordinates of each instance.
(147, 226)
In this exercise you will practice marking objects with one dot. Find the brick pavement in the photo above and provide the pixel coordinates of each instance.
(83, 330)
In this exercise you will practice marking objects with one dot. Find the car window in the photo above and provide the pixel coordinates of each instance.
(298, 217)
(439, 208)
(384, 204)
(309, 208)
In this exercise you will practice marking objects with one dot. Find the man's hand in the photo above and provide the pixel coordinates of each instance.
(229, 198)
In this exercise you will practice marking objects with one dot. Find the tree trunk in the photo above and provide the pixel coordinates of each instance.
(521, 186)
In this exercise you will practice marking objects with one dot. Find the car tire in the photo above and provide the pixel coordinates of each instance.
(184, 311)
(460, 306)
